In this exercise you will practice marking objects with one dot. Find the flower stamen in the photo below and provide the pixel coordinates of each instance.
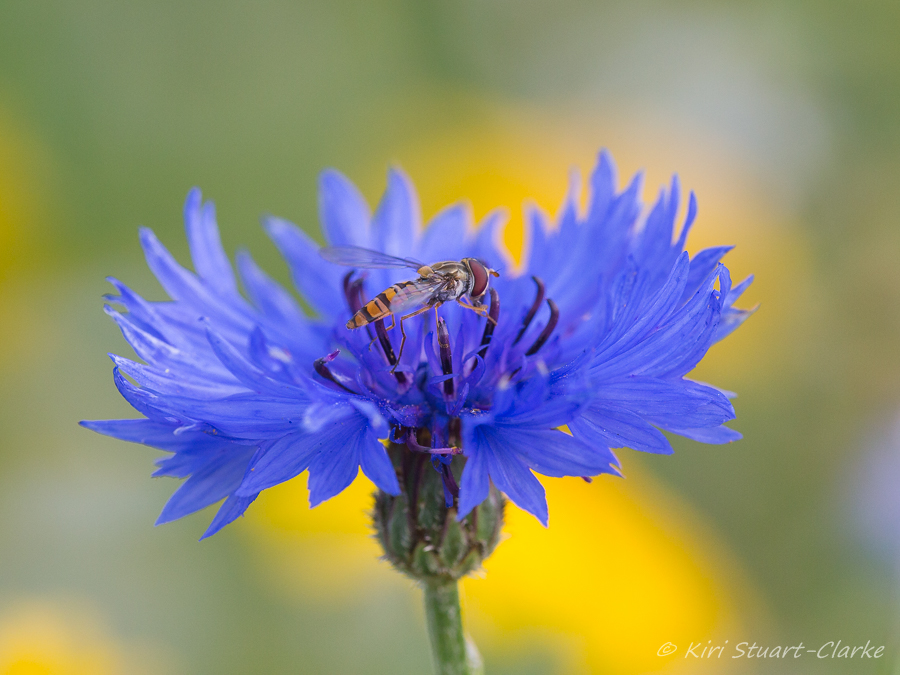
(443, 336)
(321, 367)
(489, 326)
(388, 349)
(548, 329)
(409, 438)
(538, 299)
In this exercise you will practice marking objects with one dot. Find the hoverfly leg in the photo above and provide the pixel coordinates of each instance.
(403, 331)
(480, 311)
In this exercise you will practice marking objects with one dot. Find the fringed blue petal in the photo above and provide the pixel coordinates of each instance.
(217, 479)
(396, 223)
(335, 466)
(377, 466)
(343, 211)
(317, 280)
(444, 236)
(286, 458)
(231, 509)
(210, 260)
(617, 427)
(475, 483)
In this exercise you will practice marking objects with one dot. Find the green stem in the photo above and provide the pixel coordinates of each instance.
(453, 653)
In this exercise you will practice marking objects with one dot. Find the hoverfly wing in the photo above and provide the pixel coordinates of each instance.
(408, 296)
(356, 256)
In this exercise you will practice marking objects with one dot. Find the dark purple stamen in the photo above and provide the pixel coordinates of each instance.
(446, 360)
(388, 349)
(353, 291)
(587, 479)
(538, 299)
(413, 444)
(321, 367)
(548, 329)
(349, 292)
(494, 314)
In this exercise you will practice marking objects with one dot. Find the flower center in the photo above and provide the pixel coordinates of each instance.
(442, 440)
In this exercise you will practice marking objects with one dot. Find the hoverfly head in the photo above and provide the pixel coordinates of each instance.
(480, 275)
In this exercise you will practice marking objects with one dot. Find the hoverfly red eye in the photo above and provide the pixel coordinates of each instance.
(480, 277)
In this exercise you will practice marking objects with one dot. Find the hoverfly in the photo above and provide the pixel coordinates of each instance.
(464, 281)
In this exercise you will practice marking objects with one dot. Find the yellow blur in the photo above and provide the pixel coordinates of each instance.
(43, 636)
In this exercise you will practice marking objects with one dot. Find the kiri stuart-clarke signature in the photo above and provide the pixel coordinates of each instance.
(741, 650)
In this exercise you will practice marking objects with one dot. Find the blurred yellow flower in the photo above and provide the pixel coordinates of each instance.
(24, 199)
(42, 638)
(46, 636)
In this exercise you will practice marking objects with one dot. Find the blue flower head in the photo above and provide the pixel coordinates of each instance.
(595, 331)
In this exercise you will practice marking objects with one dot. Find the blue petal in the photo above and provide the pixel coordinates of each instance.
(317, 280)
(660, 309)
(268, 296)
(141, 313)
(247, 416)
(209, 257)
(377, 465)
(716, 436)
(335, 467)
(487, 243)
(444, 236)
(655, 239)
(177, 281)
(688, 221)
(197, 448)
(702, 265)
(143, 400)
(376, 422)
(513, 478)
(173, 383)
(343, 211)
(552, 452)
(673, 349)
(732, 319)
(485, 444)
(603, 186)
(149, 347)
(668, 403)
(475, 484)
(288, 457)
(610, 426)
(218, 479)
(396, 222)
(159, 435)
(228, 512)
(250, 376)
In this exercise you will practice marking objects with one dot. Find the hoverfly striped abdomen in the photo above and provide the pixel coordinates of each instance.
(383, 304)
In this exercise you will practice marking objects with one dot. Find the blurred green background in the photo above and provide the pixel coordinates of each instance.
(783, 116)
